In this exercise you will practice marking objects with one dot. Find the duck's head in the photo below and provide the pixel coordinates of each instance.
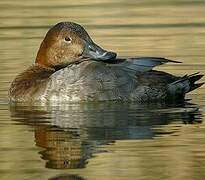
(67, 42)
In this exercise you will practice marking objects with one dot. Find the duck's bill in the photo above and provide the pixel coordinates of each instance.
(95, 52)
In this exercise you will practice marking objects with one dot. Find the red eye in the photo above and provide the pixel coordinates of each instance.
(68, 39)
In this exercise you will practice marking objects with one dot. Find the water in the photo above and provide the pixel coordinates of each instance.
(104, 140)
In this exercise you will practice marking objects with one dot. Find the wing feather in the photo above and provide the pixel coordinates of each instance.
(142, 64)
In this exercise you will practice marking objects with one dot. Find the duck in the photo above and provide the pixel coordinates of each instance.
(71, 67)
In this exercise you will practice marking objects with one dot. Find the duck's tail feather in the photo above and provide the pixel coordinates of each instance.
(195, 86)
(185, 84)
(192, 79)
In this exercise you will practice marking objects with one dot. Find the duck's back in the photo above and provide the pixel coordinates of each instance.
(90, 81)
(98, 81)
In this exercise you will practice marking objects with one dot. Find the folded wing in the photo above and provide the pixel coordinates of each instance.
(141, 64)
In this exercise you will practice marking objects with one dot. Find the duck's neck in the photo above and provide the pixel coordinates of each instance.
(51, 67)
(42, 60)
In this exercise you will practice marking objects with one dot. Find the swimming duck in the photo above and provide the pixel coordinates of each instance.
(70, 67)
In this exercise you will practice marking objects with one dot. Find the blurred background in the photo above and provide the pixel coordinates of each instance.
(104, 141)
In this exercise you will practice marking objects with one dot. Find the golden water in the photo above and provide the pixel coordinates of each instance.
(106, 140)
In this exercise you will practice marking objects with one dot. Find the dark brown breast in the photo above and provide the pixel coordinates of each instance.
(30, 83)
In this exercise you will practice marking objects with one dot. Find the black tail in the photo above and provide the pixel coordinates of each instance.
(185, 84)
(192, 79)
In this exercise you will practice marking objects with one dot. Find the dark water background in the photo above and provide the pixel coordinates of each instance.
(104, 140)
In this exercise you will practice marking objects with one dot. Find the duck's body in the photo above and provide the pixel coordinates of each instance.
(131, 80)
(96, 79)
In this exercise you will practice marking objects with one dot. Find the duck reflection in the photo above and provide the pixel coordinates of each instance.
(62, 149)
(71, 134)
(66, 177)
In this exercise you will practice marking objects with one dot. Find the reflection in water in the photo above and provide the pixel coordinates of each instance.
(66, 177)
(62, 149)
(71, 134)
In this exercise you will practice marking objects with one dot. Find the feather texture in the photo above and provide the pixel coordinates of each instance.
(141, 64)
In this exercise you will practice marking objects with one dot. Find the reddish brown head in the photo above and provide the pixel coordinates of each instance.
(68, 42)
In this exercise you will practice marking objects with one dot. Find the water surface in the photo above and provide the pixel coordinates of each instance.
(105, 140)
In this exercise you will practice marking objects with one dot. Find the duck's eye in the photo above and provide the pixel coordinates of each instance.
(68, 39)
